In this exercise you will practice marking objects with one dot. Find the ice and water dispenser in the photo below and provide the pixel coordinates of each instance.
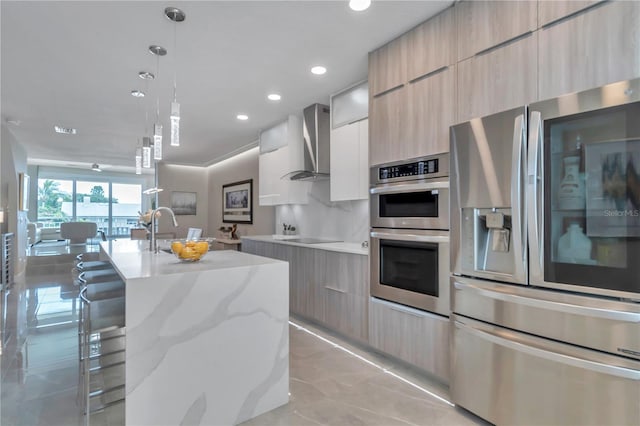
(487, 241)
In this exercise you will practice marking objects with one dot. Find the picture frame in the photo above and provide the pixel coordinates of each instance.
(184, 203)
(23, 191)
(237, 202)
(612, 183)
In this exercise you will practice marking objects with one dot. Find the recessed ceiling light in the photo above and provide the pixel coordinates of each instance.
(146, 75)
(242, 117)
(274, 97)
(318, 70)
(137, 94)
(359, 5)
(65, 130)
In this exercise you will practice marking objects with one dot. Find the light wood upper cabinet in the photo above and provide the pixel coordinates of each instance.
(589, 50)
(484, 24)
(431, 111)
(432, 45)
(388, 126)
(388, 66)
(498, 80)
(550, 11)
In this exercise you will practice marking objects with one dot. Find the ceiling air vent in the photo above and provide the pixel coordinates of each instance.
(65, 130)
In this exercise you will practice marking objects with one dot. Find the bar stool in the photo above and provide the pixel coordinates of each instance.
(102, 347)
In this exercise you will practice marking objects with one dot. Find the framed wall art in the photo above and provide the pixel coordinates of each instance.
(237, 202)
(183, 203)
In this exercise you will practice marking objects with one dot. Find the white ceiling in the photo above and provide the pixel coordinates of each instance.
(74, 64)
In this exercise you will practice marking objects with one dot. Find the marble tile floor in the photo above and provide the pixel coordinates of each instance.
(332, 382)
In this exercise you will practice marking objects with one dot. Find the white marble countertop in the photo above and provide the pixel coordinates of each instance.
(353, 248)
(132, 259)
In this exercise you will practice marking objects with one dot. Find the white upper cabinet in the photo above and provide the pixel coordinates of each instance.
(349, 152)
(350, 105)
(281, 153)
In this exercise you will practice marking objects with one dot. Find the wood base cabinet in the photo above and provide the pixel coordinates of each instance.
(417, 337)
(327, 287)
(343, 283)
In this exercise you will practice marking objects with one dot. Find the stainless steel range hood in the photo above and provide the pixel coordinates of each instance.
(315, 130)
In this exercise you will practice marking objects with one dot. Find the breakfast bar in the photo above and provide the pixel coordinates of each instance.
(206, 342)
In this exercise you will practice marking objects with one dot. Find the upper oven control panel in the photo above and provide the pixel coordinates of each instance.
(416, 168)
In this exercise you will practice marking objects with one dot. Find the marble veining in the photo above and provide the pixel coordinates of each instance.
(204, 345)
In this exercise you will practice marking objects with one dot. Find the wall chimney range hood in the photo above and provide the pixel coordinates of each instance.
(315, 131)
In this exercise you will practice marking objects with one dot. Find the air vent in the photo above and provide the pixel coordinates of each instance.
(65, 130)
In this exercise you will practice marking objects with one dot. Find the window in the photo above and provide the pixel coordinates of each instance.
(112, 206)
(52, 196)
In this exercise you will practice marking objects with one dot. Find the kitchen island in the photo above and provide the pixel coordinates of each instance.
(206, 342)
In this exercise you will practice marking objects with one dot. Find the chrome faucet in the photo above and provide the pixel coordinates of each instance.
(153, 244)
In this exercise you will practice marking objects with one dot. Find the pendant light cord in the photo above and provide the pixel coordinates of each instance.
(158, 89)
(175, 68)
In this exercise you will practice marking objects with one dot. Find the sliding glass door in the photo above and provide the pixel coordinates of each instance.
(113, 206)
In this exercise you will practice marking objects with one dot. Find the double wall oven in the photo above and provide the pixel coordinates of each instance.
(409, 203)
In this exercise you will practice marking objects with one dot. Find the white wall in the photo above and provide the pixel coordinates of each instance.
(343, 220)
(14, 161)
(241, 167)
(172, 177)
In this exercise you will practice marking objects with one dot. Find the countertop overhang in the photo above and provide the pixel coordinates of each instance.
(344, 247)
(133, 259)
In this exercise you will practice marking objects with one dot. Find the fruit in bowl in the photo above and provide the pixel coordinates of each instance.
(190, 250)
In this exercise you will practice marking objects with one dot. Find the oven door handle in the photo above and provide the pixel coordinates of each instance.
(410, 237)
(409, 187)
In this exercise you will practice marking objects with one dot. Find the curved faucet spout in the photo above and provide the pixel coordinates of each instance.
(153, 244)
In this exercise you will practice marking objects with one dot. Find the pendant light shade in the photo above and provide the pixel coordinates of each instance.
(157, 141)
(146, 152)
(157, 51)
(138, 160)
(175, 124)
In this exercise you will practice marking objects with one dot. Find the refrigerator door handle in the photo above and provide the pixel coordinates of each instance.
(533, 192)
(548, 353)
(517, 206)
(462, 284)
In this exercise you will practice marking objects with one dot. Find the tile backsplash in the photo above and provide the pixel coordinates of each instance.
(320, 218)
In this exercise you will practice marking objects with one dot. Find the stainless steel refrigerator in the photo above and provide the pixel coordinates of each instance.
(545, 260)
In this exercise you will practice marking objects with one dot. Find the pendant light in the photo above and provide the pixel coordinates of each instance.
(139, 160)
(157, 127)
(146, 152)
(140, 149)
(176, 15)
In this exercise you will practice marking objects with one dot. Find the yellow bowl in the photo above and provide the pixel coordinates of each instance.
(190, 250)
